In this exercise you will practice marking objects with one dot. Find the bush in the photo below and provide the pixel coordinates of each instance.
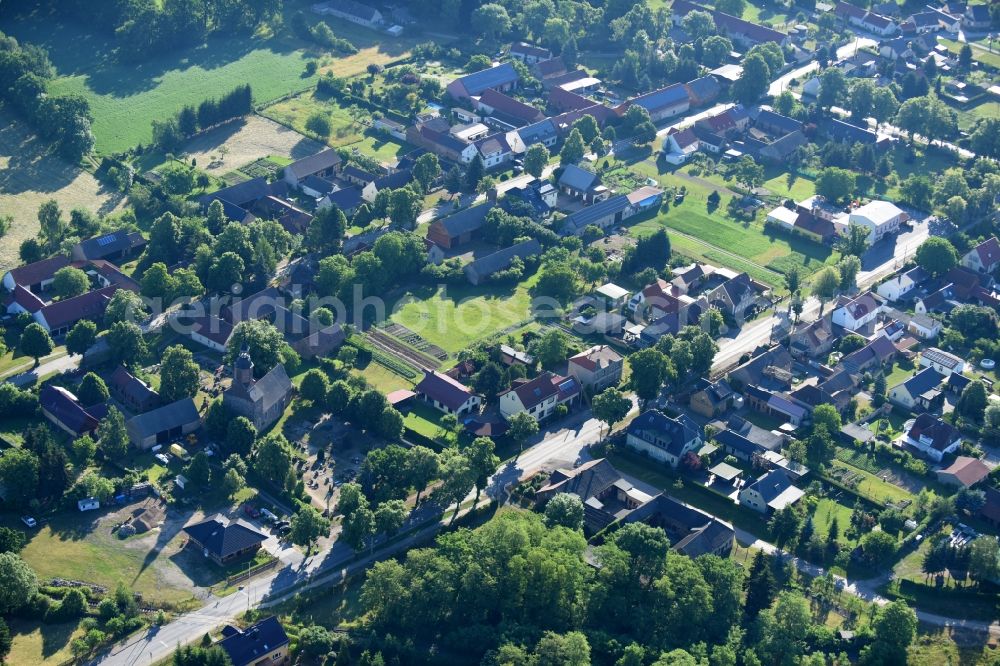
(319, 123)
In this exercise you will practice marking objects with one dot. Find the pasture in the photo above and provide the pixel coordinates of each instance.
(127, 97)
(454, 316)
(29, 176)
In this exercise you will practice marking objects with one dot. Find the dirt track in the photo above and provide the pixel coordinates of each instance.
(245, 141)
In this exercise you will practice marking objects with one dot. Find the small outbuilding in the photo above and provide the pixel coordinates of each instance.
(88, 504)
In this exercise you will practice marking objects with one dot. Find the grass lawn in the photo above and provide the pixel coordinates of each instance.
(295, 111)
(875, 488)
(454, 317)
(828, 509)
(901, 371)
(729, 238)
(382, 378)
(985, 57)
(426, 421)
(78, 547)
(968, 119)
(937, 647)
(330, 607)
(126, 97)
(37, 643)
(799, 189)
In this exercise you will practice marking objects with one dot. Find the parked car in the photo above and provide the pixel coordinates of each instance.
(281, 524)
(162, 457)
(29, 521)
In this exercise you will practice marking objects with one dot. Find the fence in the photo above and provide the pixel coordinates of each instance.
(252, 571)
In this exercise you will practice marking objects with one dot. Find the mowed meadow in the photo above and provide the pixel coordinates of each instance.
(127, 97)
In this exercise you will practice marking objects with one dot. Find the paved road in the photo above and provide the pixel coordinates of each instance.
(881, 260)
(779, 84)
(32, 375)
(561, 448)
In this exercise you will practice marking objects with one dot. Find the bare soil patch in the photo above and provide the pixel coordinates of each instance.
(239, 143)
(30, 175)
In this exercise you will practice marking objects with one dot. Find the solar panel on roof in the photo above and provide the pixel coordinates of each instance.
(106, 240)
(566, 384)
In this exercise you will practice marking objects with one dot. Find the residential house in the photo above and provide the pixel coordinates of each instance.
(494, 150)
(325, 164)
(944, 362)
(59, 317)
(480, 270)
(880, 218)
(711, 399)
(506, 108)
(977, 17)
(924, 327)
(606, 496)
(543, 132)
(262, 644)
(562, 100)
(308, 338)
(857, 312)
(36, 277)
(661, 104)
(224, 540)
(771, 492)
(163, 424)
(110, 247)
(921, 391)
(540, 195)
(965, 283)
(990, 511)
(538, 397)
(775, 405)
(597, 368)
(237, 199)
(22, 300)
(434, 137)
(545, 70)
(529, 54)
(933, 437)
(664, 439)
(347, 199)
(263, 400)
(208, 330)
(900, 285)
(965, 472)
(735, 444)
(391, 127)
(393, 181)
(578, 183)
(898, 48)
(459, 228)
(985, 257)
(63, 409)
(131, 391)
(680, 145)
(446, 394)
(873, 356)
(780, 151)
(691, 532)
(351, 10)
(772, 367)
(604, 214)
(510, 356)
(844, 132)
(941, 300)
(813, 340)
(737, 297)
(501, 77)
(775, 123)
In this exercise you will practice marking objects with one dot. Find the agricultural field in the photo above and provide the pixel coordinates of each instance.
(126, 98)
(454, 317)
(29, 176)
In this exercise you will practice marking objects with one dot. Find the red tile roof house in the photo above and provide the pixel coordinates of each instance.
(446, 394)
(540, 396)
(492, 102)
(964, 472)
(23, 300)
(35, 277)
(597, 368)
(57, 318)
(984, 258)
(63, 409)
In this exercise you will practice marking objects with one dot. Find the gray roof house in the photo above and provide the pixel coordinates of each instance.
(164, 424)
(921, 391)
(663, 438)
(111, 246)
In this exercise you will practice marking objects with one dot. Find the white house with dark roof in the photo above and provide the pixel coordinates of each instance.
(921, 391)
(942, 361)
(36, 277)
(933, 437)
(446, 394)
(900, 285)
(984, 258)
(771, 492)
(858, 312)
(540, 396)
(662, 438)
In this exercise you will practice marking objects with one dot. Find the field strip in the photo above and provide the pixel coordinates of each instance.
(738, 258)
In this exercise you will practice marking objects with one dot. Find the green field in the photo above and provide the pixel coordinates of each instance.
(801, 188)
(125, 97)
(875, 488)
(983, 56)
(454, 317)
(38, 643)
